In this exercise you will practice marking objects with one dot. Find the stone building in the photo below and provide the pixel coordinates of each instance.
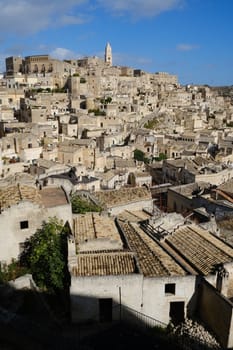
(183, 171)
(36, 64)
(108, 55)
(116, 201)
(180, 267)
(23, 208)
(71, 182)
(186, 198)
(77, 151)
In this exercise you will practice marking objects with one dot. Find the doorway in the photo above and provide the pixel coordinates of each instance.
(176, 312)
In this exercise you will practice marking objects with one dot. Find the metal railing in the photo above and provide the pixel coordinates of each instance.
(160, 330)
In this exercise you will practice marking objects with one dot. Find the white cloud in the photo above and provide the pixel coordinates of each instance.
(134, 61)
(2, 63)
(62, 53)
(67, 20)
(140, 8)
(30, 16)
(186, 47)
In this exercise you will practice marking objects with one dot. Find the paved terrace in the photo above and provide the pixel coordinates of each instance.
(122, 196)
(153, 261)
(202, 250)
(53, 196)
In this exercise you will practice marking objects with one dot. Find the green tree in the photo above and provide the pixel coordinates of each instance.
(82, 206)
(139, 155)
(151, 124)
(45, 256)
(82, 80)
(161, 156)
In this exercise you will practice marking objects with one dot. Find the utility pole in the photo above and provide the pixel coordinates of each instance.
(120, 301)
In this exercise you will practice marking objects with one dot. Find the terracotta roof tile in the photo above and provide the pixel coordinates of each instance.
(100, 264)
(199, 248)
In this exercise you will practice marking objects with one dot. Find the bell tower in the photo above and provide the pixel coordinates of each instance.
(108, 55)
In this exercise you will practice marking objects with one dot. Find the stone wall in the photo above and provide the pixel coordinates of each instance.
(147, 295)
(136, 205)
(85, 293)
(216, 312)
(21, 221)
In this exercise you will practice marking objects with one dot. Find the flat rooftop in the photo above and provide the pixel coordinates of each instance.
(53, 196)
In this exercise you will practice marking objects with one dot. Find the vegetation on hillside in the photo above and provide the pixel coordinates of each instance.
(97, 111)
(82, 80)
(151, 124)
(161, 156)
(82, 206)
(140, 156)
(106, 100)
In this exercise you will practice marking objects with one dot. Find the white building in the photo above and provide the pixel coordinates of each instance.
(23, 208)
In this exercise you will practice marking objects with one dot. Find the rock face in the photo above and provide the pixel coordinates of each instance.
(195, 333)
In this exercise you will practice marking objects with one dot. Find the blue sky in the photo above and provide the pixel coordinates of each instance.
(189, 38)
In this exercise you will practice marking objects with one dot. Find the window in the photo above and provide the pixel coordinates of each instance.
(24, 224)
(170, 288)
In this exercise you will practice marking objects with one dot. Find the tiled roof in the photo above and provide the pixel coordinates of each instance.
(125, 163)
(122, 196)
(133, 216)
(170, 264)
(91, 226)
(152, 260)
(18, 178)
(11, 195)
(107, 263)
(199, 248)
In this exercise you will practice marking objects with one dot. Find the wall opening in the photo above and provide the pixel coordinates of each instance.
(24, 224)
(170, 288)
(176, 312)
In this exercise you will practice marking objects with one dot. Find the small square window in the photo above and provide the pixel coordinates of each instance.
(24, 224)
(170, 288)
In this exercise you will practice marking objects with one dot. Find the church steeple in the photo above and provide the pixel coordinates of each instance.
(108, 55)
